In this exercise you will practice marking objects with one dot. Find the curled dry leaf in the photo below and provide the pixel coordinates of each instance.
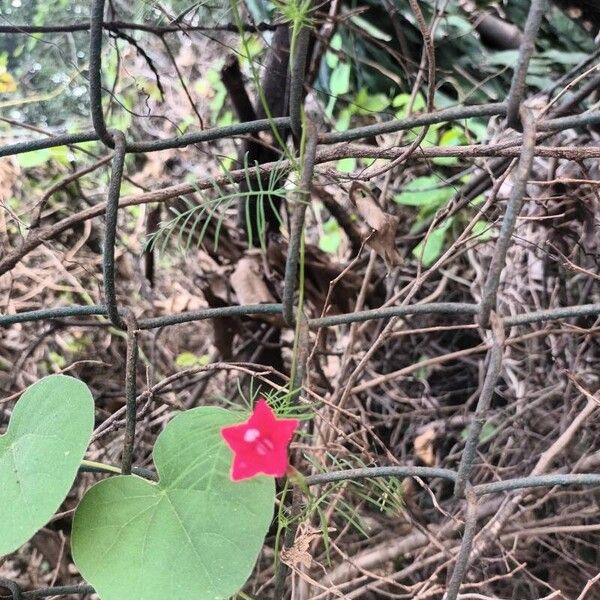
(214, 280)
(248, 283)
(383, 225)
(298, 554)
(425, 446)
(179, 301)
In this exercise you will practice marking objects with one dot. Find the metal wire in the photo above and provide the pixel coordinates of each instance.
(130, 393)
(95, 76)
(156, 29)
(482, 489)
(466, 544)
(301, 199)
(513, 208)
(300, 53)
(238, 129)
(110, 236)
(485, 399)
(109, 312)
(518, 86)
(12, 587)
(247, 310)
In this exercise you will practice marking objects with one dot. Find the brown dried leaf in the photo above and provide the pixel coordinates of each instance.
(383, 225)
(425, 446)
(298, 553)
(9, 178)
(296, 556)
(248, 283)
(179, 301)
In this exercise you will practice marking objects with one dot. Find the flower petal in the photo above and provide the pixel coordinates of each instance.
(278, 463)
(234, 436)
(285, 430)
(241, 469)
(263, 417)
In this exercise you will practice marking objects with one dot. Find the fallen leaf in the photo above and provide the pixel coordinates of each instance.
(298, 556)
(425, 446)
(298, 553)
(248, 283)
(179, 301)
(383, 225)
(9, 178)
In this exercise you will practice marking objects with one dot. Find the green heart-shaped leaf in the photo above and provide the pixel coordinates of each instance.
(194, 535)
(48, 434)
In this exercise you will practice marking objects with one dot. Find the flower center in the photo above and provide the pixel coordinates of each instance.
(251, 435)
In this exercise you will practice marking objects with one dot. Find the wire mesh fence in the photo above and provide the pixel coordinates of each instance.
(322, 147)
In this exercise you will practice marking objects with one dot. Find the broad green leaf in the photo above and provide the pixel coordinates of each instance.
(332, 237)
(61, 154)
(539, 82)
(339, 82)
(343, 120)
(422, 372)
(429, 249)
(216, 104)
(424, 191)
(151, 89)
(430, 138)
(370, 28)
(346, 165)
(40, 453)
(487, 432)
(455, 25)
(402, 102)
(366, 103)
(253, 47)
(331, 57)
(227, 162)
(477, 128)
(195, 534)
(226, 119)
(478, 200)
(482, 230)
(189, 359)
(455, 136)
(564, 58)
(28, 160)
(504, 58)
(56, 360)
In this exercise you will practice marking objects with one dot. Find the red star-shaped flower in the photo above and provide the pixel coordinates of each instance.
(260, 445)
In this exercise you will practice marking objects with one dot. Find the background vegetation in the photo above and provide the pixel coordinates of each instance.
(398, 392)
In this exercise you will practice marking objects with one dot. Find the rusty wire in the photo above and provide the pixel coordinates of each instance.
(485, 313)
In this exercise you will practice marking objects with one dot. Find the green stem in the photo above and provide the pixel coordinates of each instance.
(101, 466)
